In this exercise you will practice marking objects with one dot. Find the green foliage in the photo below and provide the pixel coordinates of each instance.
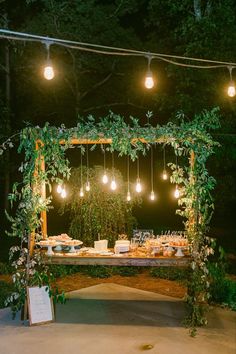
(170, 273)
(100, 211)
(6, 290)
(126, 271)
(5, 269)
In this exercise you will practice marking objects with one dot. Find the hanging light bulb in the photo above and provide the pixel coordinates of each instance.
(87, 187)
(105, 178)
(113, 185)
(138, 186)
(177, 192)
(164, 173)
(152, 195)
(81, 192)
(59, 188)
(113, 181)
(128, 197)
(231, 88)
(149, 82)
(63, 193)
(48, 71)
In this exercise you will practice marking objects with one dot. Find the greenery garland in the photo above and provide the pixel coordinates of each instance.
(195, 204)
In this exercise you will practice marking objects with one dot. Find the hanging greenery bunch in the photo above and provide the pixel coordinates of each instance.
(188, 138)
(100, 212)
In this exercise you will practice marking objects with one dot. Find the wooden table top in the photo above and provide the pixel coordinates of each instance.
(139, 259)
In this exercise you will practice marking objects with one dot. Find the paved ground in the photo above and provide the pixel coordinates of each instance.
(114, 319)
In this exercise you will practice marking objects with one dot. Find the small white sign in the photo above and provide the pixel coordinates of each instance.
(40, 305)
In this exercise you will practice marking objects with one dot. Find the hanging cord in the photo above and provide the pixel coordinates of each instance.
(164, 157)
(138, 167)
(152, 168)
(128, 171)
(81, 162)
(87, 158)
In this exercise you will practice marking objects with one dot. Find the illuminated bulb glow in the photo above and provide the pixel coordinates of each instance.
(87, 187)
(165, 175)
(48, 72)
(128, 198)
(113, 185)
(231, 90)
(59, 189)
(104, 178)
(63, 193)
(138, 186)
(152, 195)
(81, 192)
(149, 82)
(177, 193)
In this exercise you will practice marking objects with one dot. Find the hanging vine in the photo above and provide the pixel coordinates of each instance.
(191, 138)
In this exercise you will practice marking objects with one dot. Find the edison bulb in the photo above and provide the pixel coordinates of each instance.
(87, 187)
(48, 72)
(138, 186)
(152, 195)
(177, 193)
(104, 178)
(231, 90)
(113, 185)
(81, 192)
(59, 189)
(164, 175)
(63, 193)
(149, 82)
(128, 198)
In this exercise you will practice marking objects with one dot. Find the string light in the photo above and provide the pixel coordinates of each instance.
(231, 88)
(113, 181)
(128, 197)
(152, 195)
(48, 71)
(81, 192)
(104, 177)
(164, 173)
(87, 186)
(149, 82)
(138, 186)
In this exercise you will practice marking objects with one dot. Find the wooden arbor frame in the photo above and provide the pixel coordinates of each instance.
(75, 141)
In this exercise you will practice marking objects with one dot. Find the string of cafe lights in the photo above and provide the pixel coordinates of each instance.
(149, 81)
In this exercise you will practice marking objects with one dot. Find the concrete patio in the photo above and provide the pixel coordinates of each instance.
(114, 319)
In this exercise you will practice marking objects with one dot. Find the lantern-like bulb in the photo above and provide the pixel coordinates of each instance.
(63, 193)
(104, 178)
(149, 82)
(48, 72)
(152, 195)
(113, 185)
(138, 186)
(81, 192)
(87, 187)
(177, 192)
(231, 89)
(128, 197)
(59, 188)
(164, 175)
